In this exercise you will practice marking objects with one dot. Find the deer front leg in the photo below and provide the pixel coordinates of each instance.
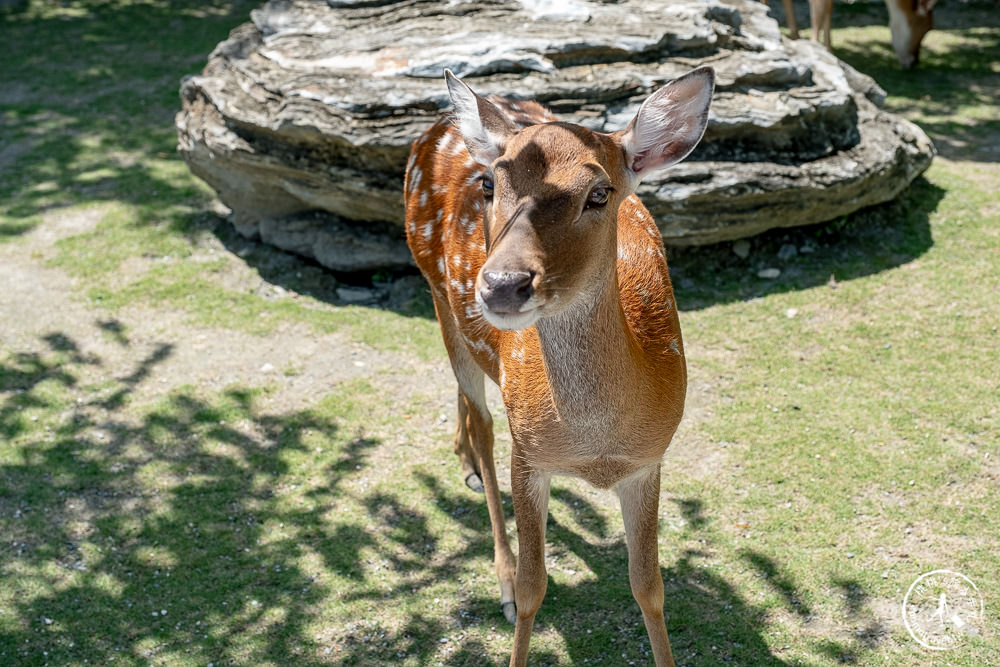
(480, 426)
(474, 446)
(640, 500)
(530, 490)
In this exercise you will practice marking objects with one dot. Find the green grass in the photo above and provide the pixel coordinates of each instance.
(842, 439)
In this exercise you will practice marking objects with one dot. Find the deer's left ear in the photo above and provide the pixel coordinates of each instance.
(670, 123)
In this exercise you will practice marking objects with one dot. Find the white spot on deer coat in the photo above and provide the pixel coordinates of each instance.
(445, 142)
(415, 175)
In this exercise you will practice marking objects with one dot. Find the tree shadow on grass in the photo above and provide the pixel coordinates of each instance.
(868, 633)
(172, 531)
(131, 537)
(709, 620)
(104, 88)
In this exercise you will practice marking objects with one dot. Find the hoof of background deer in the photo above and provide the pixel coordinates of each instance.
(510, 612)
(474, 482)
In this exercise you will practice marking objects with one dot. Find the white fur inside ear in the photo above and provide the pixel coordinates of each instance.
(483, 147)
(670, 123)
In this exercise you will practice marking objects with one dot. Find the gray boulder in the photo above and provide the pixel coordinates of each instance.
(302, 120)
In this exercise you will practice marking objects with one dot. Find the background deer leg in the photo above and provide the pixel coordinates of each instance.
(827, 23)
(640, 501)
(531, 507)
(793, 24)
(820, 14)
(481, 430)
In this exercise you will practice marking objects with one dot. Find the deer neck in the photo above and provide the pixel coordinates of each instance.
(593, 363)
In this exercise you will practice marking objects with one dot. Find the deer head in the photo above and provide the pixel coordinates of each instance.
(551, 194)
(909, 21)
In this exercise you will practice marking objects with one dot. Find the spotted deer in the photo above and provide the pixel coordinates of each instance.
(549, 276)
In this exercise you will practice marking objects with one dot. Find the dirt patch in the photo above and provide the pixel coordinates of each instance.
(61, 223)
(164, 345)
(691, 449)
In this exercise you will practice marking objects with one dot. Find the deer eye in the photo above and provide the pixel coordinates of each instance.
(487, 186)
(598, 197)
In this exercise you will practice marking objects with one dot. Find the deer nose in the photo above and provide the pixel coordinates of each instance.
(506, 291)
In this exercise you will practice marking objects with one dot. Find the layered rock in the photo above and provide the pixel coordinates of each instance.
(312, 107)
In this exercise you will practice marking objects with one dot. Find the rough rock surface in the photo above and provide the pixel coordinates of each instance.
(312, 107)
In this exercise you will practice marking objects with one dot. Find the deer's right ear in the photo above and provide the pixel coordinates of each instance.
(484, 127)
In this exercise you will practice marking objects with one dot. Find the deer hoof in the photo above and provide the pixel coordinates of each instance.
(510, 611)
(474, 482)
